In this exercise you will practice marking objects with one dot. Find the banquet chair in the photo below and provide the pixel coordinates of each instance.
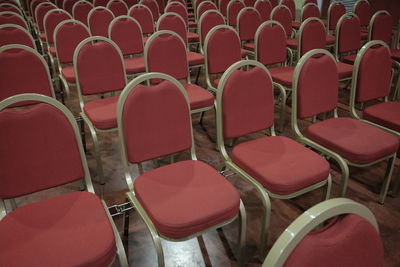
(81, 9)
(118, 7)
(15, 34)
(99, 19)
(348, 38)
(263, 7)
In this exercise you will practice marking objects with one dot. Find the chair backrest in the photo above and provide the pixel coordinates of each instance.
(178, 8)
(40, 12)
(310, 1)
(173, 22)
(362, 9)
(118, 7)
(8, 17)
(143, 15)
(348, 34)
(222, 49)
(68, 5)
(15, 34)
(130, 3)
(203, 7)
(11, 2)
(291, 5)
(315, 85)
(165, 52)
(233, 10)
(335, 11)
(264, 7)
(33, 5)
(97, 3)
(51, 20)
(10, 7)
(81, 9)
(283, 15)
(372, 72)
(143, 133)
(23, 70)
(270, 43)
(67, 35)
(248, 22)
(99, 19)
(45, 162)
(222, 6)
(125, 31)
(310, 11)
(207, 21)
(98, 66)
(311, 36)
(59, 3)
(153, 6)
(380, 27)
(353, 237)
(245, 100)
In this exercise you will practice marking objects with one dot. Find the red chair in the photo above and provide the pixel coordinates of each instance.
(68, 5)
(263, 162)
(264, 7)
(352, 235)
(380, 27)
(335, 11)
(348, 38)
(74, 228)
(99, 19)
(310, 2)
(81, 9)
(165, 47)
(248, 22)
(23, 71)
(99, 69)
(32, 8)
(10, 7)
(102, 3)
(181, 10)
(310, 11)
(126, 33)
(153, 6)
(130, 3)
(11, 2)
(14, 34)
(8, 17)
(118, 7)
(283, 15)
(143, 15)
(206, 200)
(40, 12)
(203, 7)
(362, 9)
(292, 7)
(207, 21)
(222, 6)
(232, 12)
(347, 141)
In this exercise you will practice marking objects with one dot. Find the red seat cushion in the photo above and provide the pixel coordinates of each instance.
(186, 197)
(296, 25)
(282, 75)
(42, 36)
(364, 35)
(68, 230)
(243, 53)
(330, 39)
(190, 15)
(216, 82)
(192, 24)
(69, 74)
(344, 70)
(350, 59)
(198, 97)
(192, 37)
(102, 112)
(52, 50)
(249, 46)
(386, 114)
(194, 58)
(292, 43)
(395, 54)
(134, 65)
(356, 141)
(280, 164)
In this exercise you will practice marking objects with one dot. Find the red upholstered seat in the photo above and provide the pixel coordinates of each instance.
(190, 15)
(68, 73)
(42, 36)
(192, 24)
(216, 82)
(395, 54)
(249, 46)
(292, 43)
(364, 35)
(134, 65)
(68, 230)
(344, 70)
(243, 53)
(351, 139)
(186, 197)
(193, 37)
(198, 97)
(282, 75)
(194, 58)
(386, 114)
(102, 112)
(296, 25)
(330, 40)
(350, 59)
(272, 160)
(52, 51)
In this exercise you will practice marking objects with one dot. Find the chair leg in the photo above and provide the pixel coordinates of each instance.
(201, 118)
(327, 189)
(198, 75)
(97, 154)
(264, 224)
(126, 221)
(396, 185)
(345, 174)
(386, 181)
(242, 235)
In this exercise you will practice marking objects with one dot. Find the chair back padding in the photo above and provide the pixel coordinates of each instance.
(264, 7)
(80, 11)
(205, 6)
(310, 11)
(317, 85)
(8, 17)
(130, 3)
(173, 22)
(127, 34)
(153, 6)
(148, 135)
(335, 11)
(9, 7)
(312, 35)
(207, 21)
(36, 144)
(247, 101)
(222, 48)
(248, 22)
(15, 34)
(282, 15)
(99, 66)
(51, 20)
(348, 33)
(102, 3)
(223, 6)
(271, 43)
(143, 15)
(233, 10)
(118, 7)
(291, 5)
(68, 5)
(99, 19)
(362, 9)
(40, 12)
(249, 3)
(381, 27)
(180, 9)
(32, 8)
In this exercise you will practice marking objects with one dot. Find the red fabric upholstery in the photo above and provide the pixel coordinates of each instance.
(223, 50)
(40, 12)
(330, 39)
(149, 135)
(198, 97)
(42, 36)
(52, 50)
(363, 10)
(374, 74)
(208, 22)
(292, 43)
(12, 35)
(291, 5)
(22, 72)
(349, 35)
(249, 46)
(310, 11)
(344, 70)
(284, 17)
(100, 68)
(312, 36)
(382, 28)
(249, 21)
(67, 230)
(186, 197)
(354, 140)
(13, 19)
(126, 33)
(192, 37)
(296, 25)
(118, 7)
(364, 35)
(98, 22)
(194, 58)
(249, 3)
(32, 8)
(69, 74)
(81, 11)
(223, 6)
(144, 16)
(310, 1)
(337, 10)
(134, 65)
(67, 5)
(130, 3)
(351, 238)
(280, 164)
(9, 7)
(97, 3)
(192, 24)
(243, 53)
(174, 23)
(68, 37)
(179, 9)
(54, 17)
(153, 6)
(272, 45)
(233, 10)
(30, 151)
(350, 59)
(264, 8)
(386, 114)
(396, 54)
(102, 112)
(247, 102)
(205, 6)
(282, 75)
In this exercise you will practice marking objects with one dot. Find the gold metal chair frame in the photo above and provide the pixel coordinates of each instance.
(227, 162)
(343, 163)
(87, 182)
(3, 26)
(252, 53)
(92, 128)
(309, 220)
(156, 236)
